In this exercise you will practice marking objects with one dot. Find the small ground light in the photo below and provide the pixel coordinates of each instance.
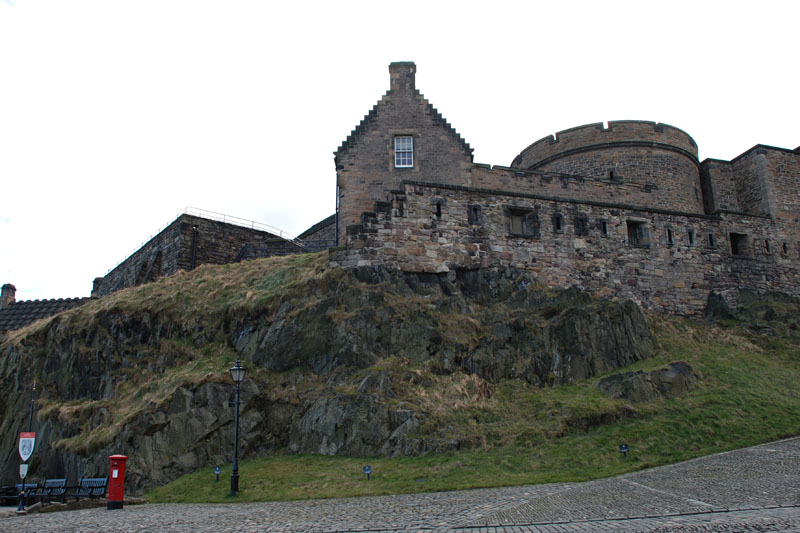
(624, 449)
(367, 471)
(217, 471)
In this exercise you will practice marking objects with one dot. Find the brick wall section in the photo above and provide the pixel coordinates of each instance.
(763, 181)
(579, 187)
(782, 171)
(675, 278)
(365, 162)
(719, 186)
(217, 243)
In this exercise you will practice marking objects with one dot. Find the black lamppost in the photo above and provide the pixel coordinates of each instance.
(33, 397)
(237, 373)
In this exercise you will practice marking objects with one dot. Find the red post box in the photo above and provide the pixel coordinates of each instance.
(116, 481)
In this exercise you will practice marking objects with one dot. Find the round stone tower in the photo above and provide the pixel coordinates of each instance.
(659, 157)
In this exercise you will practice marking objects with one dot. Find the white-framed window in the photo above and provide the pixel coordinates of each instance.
(404, 151)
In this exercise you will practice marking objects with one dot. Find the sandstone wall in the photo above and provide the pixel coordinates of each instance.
(171, 249)
(365, 161)
(594, 135)
(679, 261)
(657, 156)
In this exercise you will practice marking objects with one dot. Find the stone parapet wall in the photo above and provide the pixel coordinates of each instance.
(591, 248)
(587, 188)
(660, 157)
(592, 135)
(173, 249)
(762, 181)
(158, 257)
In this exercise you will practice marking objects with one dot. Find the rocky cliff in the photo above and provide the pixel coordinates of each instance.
(339, 362)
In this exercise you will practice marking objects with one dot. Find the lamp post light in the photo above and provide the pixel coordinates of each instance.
(33, 397)
(237, 373)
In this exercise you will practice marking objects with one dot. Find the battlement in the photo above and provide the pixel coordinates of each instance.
(619, 133)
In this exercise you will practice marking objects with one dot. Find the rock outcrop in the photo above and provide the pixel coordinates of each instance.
(331, 359)
(672, 381)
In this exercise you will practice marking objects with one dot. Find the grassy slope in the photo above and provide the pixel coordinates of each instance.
(197, 300)
(523, 435)
(520, 434)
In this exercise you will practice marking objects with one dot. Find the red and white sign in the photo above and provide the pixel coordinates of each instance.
(26, 443)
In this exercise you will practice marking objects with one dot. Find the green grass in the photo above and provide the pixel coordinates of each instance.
(509, 433)
(747, 394)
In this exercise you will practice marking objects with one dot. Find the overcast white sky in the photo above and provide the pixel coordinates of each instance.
(116, 115)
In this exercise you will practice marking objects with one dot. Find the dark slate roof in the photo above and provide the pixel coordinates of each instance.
(19, 314)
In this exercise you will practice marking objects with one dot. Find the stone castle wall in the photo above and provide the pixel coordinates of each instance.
(589, 136)
(670, 271)
(657, 156)
(365, 161)
(172, 249)
(575, 187)
(624, 210)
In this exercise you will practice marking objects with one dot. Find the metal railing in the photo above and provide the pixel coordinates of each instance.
(218, 217)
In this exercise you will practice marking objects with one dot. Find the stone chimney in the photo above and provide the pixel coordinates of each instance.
(8, 294)
(401, 76)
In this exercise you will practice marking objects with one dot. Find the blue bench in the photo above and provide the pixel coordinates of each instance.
(91, 487)
(52, 488)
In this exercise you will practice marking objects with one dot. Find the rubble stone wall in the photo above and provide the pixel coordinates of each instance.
(679, 260)
(217, 243)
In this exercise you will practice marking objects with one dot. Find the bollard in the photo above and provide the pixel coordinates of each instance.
(116, 482)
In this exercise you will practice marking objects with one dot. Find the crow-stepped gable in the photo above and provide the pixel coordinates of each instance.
(622, 210)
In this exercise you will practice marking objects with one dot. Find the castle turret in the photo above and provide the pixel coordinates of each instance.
(660, 157)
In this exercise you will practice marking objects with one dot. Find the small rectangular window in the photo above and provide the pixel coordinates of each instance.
(474, 215)
(739, 244)
(638, 233)
(581, 224)
(604, 228)
(670, 237)
(690, 236)
(711, 241)
(523, 223)
(558, 223)
(404, 152)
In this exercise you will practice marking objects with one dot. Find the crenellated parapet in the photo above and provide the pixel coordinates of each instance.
(657, 156)
(618, 134)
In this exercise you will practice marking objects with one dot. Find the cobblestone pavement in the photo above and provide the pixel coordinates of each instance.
(754, 489)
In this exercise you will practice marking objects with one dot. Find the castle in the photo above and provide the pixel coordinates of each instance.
(623, 211)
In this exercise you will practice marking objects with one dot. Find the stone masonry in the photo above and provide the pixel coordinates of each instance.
(189, 241)
(623, 210)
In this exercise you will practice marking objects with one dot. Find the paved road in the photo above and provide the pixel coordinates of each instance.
(754, 489)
